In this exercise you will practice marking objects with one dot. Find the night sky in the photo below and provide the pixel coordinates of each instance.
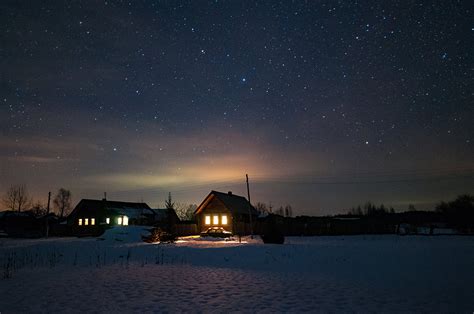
(325, 104)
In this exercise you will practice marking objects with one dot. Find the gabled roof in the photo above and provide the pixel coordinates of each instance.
(161, 214)
(132, 210)
(235, 203)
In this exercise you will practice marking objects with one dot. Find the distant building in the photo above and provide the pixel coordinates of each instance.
(90, 215)
(229, 211)
(165, 218)
(19, 224)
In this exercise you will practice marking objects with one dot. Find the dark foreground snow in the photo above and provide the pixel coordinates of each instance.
(317, 274)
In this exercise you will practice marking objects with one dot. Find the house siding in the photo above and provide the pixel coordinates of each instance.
(215, 206)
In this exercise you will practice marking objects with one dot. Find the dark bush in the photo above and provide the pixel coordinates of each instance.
(272, 235)
(159, 235)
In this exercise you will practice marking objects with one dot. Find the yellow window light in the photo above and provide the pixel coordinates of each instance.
(224, 219)
(125, 220)
(79, 222)
(215, 220)
(86, 221)
(207, 220)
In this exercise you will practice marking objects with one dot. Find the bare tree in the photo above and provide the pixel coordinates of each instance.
(62, 202)
(38, 209)
(16, 197)
(185, 211)
(261, 208)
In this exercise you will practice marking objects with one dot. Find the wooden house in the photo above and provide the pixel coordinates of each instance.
(229, 211)
(93, 216)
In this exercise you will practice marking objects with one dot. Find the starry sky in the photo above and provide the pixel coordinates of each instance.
(325, 104)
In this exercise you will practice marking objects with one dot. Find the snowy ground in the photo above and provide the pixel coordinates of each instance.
(119, 273)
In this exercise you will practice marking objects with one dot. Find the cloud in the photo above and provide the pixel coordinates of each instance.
(39, 159)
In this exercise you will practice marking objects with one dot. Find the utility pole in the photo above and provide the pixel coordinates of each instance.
(47, 214)
(250, 206)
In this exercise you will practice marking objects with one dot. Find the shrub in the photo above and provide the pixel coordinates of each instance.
(272, 235)
(159, 235)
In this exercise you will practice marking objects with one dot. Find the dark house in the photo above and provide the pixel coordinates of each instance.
(93, 216)
(19, 224)
(229, 211)
(165, 218)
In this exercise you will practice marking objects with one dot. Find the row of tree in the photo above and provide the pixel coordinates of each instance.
(263, 209)
(17, 198)
(462, 206)
(370, 209)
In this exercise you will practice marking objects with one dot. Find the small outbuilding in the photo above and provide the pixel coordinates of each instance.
(229, 211)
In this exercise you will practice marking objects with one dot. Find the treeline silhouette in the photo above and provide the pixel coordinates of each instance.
(453, 217)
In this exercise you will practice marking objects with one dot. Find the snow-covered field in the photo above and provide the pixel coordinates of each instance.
(119, 273)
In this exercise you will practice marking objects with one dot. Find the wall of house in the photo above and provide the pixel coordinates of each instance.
(215, 207)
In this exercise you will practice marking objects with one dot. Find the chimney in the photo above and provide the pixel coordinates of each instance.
(230, 192)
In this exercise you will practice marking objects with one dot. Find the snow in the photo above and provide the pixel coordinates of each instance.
(120, 273)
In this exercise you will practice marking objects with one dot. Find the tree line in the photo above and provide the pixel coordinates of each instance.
(263, 209)
(17, 198)
(462, 206)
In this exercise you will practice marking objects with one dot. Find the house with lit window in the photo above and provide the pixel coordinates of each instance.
(227, 210)
(91, 217)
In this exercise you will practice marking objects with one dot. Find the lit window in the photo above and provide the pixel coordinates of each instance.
(79, 222)
(215, 220)
(107, 220)
(207, 220)
(125, 220)
(92, 221)
(86, 221)
(119, 220)
(224, 219)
